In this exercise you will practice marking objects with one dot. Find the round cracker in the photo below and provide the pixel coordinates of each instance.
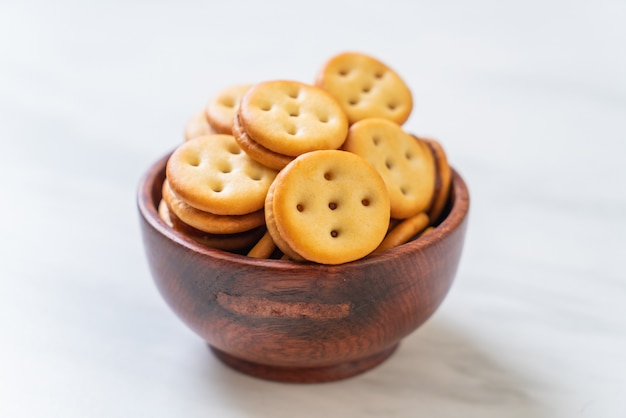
(405, 164)
(443, 181)
(258, 152)
(237, 242)
(226, 242)
(329, 207)
(223, 107)
(404, 231)
(272, 229)
(198, 126)
(263, 248)
(209, 222)
(366, 88)
(292, 118)
(212, 174)
(164, 213)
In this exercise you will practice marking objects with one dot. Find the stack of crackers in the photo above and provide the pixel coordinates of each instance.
(319, 172)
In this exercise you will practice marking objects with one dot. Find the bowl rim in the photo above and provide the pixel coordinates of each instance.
(148, 211)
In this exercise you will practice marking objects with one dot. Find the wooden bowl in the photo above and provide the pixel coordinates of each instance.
(301, 322)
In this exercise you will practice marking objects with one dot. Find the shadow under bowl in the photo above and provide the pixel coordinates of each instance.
(301, 322)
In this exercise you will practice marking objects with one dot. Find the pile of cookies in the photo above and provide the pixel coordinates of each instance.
(319, 172)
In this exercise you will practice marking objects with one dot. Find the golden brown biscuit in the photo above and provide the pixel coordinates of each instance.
(258, 152)
(366, 88)
(392, 223)
(404, 231)
(239, 242)
(222, 108)
(227, 242)
(209, 222)
(443, 178)
(427, 231)
(212, 174)
(164, 213)
(405, 164)
(198, 126)
(327, 206)
(272, 229)
(291, 118)
(264, 248)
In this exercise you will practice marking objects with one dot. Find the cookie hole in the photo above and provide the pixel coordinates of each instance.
(322, 118)
(334, 233)
(255, 175)
(404, 191)
(194, 162)
(216, 187)
(294, 113)
(234, 149)
(392, 106)
(379, 74)
(353, 102)
(376, 140)
(343, 72)
(266, 107)
(328, 175)
(294, 94)
(408, 155)
(365, 202)
(299, 207)
(332, 206)
(227, 101)
(292, 130)
(366, 89)
(388, 164)
(225, 168)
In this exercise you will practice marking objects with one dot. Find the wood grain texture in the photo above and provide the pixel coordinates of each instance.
(284, 314)
(306, 374)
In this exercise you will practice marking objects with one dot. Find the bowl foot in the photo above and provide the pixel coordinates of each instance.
(304, 374)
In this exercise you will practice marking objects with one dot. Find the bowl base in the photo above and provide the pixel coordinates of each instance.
(304, 374)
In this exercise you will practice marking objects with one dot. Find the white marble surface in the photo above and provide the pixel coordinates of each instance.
(529, 99)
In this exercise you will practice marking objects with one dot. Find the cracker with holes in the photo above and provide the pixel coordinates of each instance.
(164, 213)
(222, 108)
(279, 120)
(404, 231)
(197, 126)
(206, 221)
(212, 174)
(263, 248)
(405, 164)
(366, 88)
(227, 242)
(443, 179)
(327, 206)
(258, 152)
